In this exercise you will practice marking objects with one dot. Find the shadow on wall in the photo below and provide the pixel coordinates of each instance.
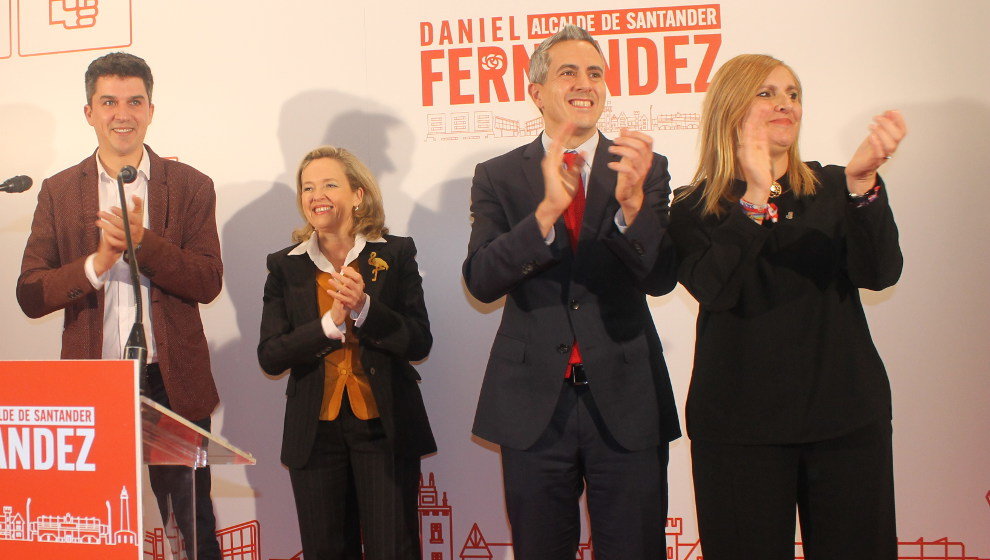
(27, 148)
(932, 332)
(254, 403)
(463, 328)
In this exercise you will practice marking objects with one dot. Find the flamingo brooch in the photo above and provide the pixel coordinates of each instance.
(377, 264)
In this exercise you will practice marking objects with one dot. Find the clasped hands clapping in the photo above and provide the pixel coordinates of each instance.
(635, 151)
(349, 295)
(113, 242)
(757, 165)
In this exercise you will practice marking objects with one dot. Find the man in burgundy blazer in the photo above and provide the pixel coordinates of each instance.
(179, 254)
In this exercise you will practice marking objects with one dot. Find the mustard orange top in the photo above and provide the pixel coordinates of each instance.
(342, 368)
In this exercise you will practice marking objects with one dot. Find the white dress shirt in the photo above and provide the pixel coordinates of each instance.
(119, 306)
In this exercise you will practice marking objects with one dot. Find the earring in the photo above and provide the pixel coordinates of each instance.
(356, 207)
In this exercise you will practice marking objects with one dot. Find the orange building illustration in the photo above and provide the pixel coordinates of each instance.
(68, 527)
(436, 516)
(480, 125)
(435, 522)
(243, 541)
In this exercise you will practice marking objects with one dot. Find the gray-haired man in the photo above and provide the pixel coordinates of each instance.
(576, 391)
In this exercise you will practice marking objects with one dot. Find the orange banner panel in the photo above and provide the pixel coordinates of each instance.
(69, 463)
(626, 21)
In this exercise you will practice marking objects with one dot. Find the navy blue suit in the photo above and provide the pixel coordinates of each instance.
(554, 296)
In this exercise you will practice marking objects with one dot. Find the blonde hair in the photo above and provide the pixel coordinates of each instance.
(726, 104)
(369, 218)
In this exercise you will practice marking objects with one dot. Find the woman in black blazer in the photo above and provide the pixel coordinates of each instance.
(789, 405)
(344, 312)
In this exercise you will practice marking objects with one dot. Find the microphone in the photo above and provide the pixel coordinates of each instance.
(127, 174)
(136, 347)
(17, 184)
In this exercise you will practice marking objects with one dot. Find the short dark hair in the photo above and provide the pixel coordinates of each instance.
(120, 64)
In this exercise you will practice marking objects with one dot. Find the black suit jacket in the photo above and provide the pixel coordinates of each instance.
(596, 295)
(395, 331)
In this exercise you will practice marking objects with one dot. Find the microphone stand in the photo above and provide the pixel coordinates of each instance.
(136, 347)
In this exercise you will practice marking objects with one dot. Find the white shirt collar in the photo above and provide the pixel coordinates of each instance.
(144, 168)
(588, 147)
(311, 247)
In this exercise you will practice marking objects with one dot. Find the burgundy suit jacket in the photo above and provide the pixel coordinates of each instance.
(180, 254)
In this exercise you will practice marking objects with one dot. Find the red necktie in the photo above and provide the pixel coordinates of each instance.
(575, 212)
(573, 217)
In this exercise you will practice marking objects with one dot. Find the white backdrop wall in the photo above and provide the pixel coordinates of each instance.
(245, 89)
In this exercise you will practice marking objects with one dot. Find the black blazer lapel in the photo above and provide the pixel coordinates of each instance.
(532, 169)
(300, 279)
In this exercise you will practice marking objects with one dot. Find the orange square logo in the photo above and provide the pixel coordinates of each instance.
(58, 26)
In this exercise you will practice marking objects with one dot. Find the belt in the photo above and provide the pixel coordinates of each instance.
(578, 377)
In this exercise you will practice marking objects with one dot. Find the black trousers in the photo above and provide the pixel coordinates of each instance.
(626, 490)
(843, 490)
(175, 483)
(354, 479)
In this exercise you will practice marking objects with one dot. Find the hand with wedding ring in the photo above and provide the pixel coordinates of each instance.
(350, 289)
(886, 133)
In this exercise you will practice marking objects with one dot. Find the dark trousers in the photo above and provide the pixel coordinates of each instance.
(843, 489)
(175, 483)
(626, 490)
(352, 478)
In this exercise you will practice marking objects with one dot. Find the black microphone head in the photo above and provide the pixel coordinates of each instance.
(127, 174)
(17, 184)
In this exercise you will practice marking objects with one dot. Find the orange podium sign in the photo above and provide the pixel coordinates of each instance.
(69, 460)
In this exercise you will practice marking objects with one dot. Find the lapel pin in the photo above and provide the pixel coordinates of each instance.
(789, 216)
(377, 264)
